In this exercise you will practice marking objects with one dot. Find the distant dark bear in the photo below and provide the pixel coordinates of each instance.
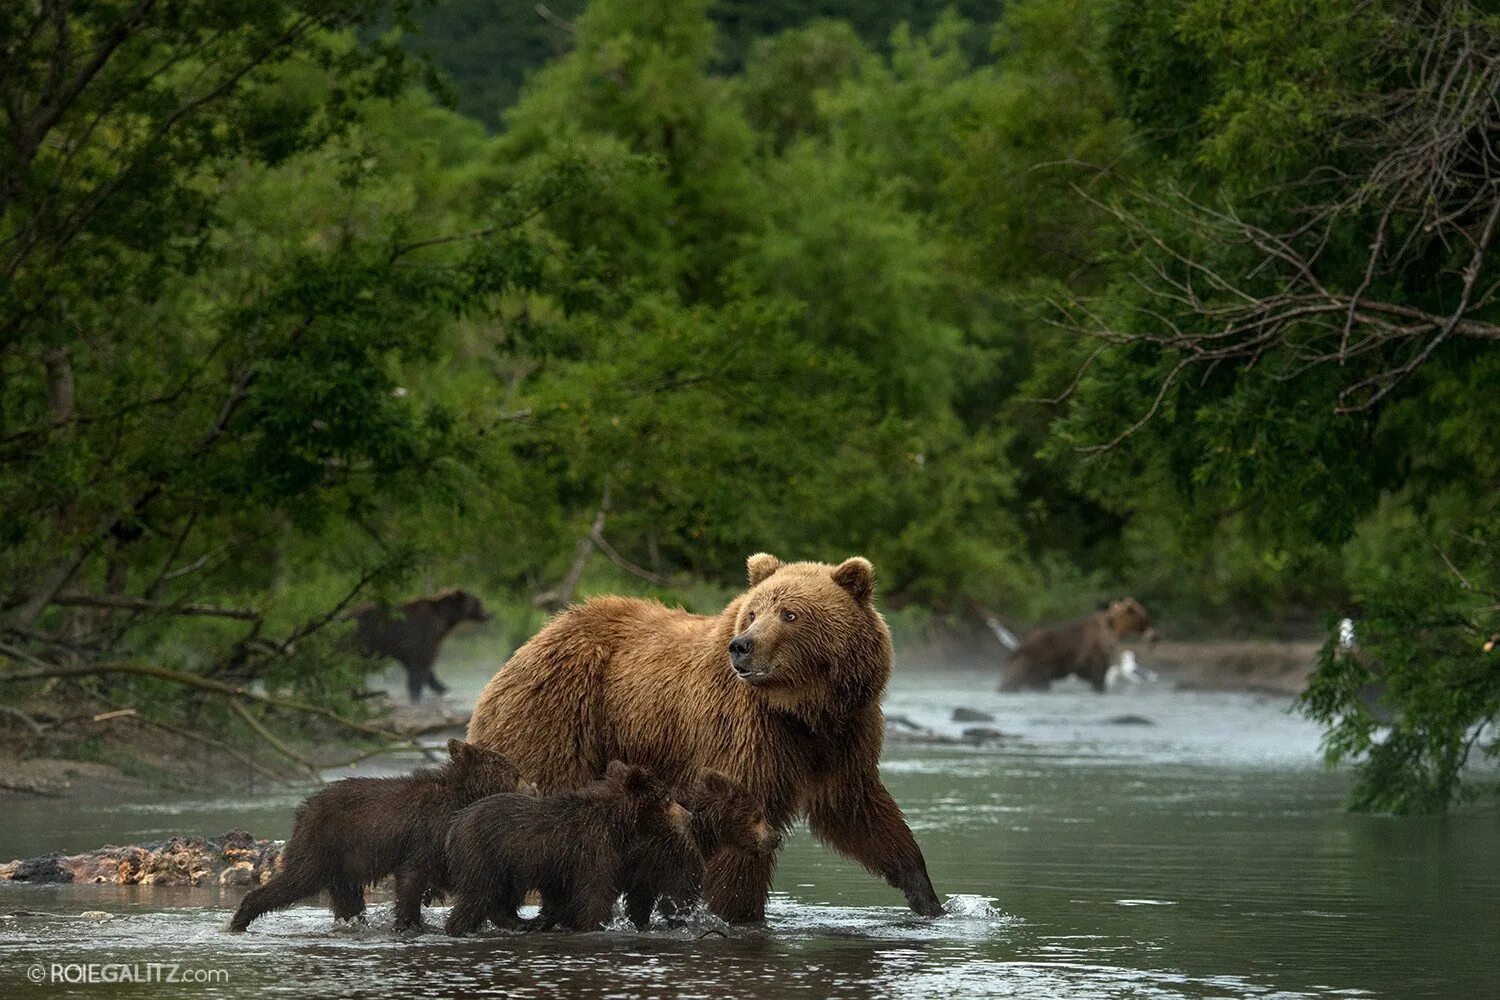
(359, 830)
(413, 632)
(572, 847)
(1085, 647)
(725, 818)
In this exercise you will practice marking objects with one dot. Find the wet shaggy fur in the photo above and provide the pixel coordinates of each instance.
(794, 714)
(1085, 647)
(413, 633)
(725, 817)
(572, 847)
(359, 830)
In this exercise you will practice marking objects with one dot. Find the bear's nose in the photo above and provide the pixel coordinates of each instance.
(739, 649)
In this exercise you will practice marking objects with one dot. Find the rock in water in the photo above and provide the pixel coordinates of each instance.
(971, 715)
(1128, 720)
(236, 858)
(45, 870)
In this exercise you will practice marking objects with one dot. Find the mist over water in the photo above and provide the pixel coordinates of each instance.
(1203, 855)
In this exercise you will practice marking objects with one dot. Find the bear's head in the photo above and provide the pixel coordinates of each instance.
(807, 636)
(726, 816)
(1129, 617)
(461, 606)
(644, 803)
(476, 772)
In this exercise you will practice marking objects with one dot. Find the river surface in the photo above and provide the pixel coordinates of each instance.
(1203, 855)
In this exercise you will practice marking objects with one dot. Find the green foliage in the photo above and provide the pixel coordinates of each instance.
(281, 333)
(1296, 203)
(491, 48)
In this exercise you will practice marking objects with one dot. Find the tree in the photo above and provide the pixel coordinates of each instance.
(194, 377)
(1311, 337)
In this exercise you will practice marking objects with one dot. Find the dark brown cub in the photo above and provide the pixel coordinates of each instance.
(571, 847)
(724, 816)
(359, 830)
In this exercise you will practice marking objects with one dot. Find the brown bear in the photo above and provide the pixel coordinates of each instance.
(572, 847)
(780, 691)
(413, 632)
(1085, 647)
(725, 817)
(359, 830)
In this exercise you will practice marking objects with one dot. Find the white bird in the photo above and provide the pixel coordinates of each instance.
(1129, 670)
(1006, 636)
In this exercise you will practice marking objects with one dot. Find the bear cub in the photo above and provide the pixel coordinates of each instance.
(669, 869)
(359, 830)
(572, 847)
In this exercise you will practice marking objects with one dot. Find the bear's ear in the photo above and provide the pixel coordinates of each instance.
(761, 565)
(457, 748)
(857, 576)
(616, 771)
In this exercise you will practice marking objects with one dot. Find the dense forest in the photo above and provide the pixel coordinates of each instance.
(1187, 298)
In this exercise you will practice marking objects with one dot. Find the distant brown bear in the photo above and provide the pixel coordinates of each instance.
(413, 632)
(780, 691)
(725, 817)
(572, 847)
(1085, 647)
(359, 830)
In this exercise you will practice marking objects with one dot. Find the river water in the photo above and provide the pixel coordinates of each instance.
(1205, 854)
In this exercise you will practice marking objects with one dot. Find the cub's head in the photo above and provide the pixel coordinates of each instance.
(1128, 617)
(478, 772)
(727, 817)
(644, 800)
(807, 636)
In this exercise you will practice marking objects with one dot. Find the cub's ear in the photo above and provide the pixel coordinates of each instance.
(617, 771)
(457, 748)
(857, 576)
(714, 784)
(761, 565)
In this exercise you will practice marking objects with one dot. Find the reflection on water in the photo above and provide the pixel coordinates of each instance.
(1205, 855)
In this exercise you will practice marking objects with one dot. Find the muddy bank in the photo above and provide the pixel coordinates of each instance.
(1279, 666)
(1261, 665)
(236, 858)
(87, 752)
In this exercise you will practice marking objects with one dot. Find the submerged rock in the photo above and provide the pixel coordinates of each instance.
(236, 858)
(971, 715)
(985, 734)
(1128, 720)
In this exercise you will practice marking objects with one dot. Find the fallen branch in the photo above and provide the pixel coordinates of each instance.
(37, 729)
(208, 741)
(202, 684)
(28, 789)
(125, 602)
(257, 727)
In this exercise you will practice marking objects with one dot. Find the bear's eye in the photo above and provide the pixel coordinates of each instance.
(789, 616)
(750, 617)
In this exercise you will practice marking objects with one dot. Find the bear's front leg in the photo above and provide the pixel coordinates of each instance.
(737, 884)
(861, 820)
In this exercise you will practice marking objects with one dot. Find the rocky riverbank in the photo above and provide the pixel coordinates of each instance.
(236, 858)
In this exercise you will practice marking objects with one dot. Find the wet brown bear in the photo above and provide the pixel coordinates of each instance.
(1085, 647)
(725, 817)
(781, 691)
(359, 830)
(572, 847)
(413, 632)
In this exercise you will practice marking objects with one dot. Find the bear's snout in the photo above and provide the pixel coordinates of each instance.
(740, 648)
